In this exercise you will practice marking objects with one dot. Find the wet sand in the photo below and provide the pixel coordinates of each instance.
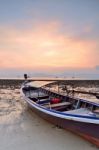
(22, 129)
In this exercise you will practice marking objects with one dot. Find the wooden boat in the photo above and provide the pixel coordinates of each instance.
(77, 115)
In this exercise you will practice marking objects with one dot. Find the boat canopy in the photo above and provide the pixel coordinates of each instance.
(38, 84)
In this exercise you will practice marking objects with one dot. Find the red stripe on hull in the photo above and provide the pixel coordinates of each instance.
(91, 139)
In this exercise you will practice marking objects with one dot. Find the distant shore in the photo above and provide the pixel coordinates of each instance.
(76, 82)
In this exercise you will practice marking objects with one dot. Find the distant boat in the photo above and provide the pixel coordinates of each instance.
(77, 115)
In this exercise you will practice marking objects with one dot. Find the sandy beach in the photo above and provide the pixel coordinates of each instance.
(22, 129)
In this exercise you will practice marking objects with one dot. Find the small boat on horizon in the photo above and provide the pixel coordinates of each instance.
(77, 115)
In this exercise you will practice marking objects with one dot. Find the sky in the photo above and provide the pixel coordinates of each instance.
(49, 37)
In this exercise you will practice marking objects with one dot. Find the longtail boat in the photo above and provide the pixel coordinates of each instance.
(80, 116)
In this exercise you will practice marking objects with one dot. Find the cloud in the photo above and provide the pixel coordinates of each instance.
(44, 46)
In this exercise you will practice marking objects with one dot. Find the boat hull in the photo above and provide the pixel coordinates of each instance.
(88, 131)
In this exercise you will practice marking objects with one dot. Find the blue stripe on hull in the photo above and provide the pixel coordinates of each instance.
(81, 128)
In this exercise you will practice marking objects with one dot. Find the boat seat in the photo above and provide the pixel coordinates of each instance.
(96, 111)
(58, 104)
(43, 101)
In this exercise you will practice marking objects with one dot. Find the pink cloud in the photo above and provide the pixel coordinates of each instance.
(44, 46)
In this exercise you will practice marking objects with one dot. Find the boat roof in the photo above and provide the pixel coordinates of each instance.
(38, 84)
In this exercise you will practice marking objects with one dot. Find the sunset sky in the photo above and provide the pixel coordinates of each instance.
(49, 36)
